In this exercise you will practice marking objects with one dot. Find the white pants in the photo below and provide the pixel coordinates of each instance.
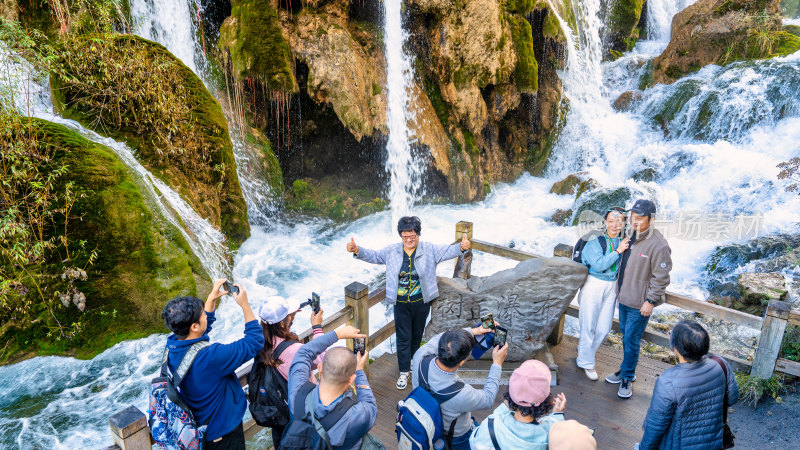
(595, 316)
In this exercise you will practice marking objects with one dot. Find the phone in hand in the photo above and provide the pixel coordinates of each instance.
(500, 336)
(230, 288)
(488, 321)
(314, 302)
(359, 345)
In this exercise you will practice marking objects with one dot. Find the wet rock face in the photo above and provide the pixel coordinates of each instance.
(720, 32)
(760, 288)
(528, 300)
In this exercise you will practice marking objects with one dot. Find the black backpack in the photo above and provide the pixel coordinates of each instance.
(268, 392)
(301, 434)
(577, 251)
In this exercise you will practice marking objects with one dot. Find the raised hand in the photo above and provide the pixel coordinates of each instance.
(362, 360)
(499, 354)
(349, 332)
(624, 245)
(352, 247)
(465, 243)
(561, 403)
(316, 318)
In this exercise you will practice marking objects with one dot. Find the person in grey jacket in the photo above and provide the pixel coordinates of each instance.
(451, 350)
(340, 370)
(641, 286)
(410, 284)
(686, 408)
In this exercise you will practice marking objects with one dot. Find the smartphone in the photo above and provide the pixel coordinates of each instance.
(359, 345)
(230, 288)
(488, 321)
(500, 335)
(314, 302)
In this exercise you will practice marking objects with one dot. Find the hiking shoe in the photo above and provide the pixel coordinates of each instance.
(402, 381)
(625, 390)
(616, 379)
(591, 374)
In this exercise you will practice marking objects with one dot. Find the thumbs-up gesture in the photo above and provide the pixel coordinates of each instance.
(352, 247)
(465, 244)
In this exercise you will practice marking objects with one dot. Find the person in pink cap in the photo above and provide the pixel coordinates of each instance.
(525, 418)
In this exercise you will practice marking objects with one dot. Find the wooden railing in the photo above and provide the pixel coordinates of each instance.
(129, 426)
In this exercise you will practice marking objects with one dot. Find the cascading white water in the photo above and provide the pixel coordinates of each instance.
(64, 403)
(174, 24)
(659, 17)
(405, 171)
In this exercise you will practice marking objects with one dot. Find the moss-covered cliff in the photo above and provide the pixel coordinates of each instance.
(134, 260)
(134, 89)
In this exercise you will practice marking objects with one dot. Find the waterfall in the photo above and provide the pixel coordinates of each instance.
(405, 172)
(174, 24)
(659, 17)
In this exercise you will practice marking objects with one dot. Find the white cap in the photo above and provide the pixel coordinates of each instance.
(274, 309)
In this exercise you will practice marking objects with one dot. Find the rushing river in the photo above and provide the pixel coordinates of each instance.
(712, 140)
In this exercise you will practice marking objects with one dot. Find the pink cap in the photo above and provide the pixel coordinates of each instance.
(529, 385)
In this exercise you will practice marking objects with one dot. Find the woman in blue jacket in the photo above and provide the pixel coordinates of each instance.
(686, 408)
(598, 294)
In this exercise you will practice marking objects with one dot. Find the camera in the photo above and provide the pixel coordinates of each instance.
(230, 288)
(359, 345)
(488, 321)
(500, 336)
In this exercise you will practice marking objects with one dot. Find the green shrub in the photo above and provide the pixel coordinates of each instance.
(753, 389)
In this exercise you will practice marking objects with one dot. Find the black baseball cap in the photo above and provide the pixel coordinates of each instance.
(643, 207)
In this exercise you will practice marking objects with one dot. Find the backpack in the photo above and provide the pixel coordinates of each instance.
(577, 251)
(267, 391)
(419, 417)
(305, 431)
(172, 424)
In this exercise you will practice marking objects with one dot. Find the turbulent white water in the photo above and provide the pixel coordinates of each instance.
(718, 162)
(405, 171)
(659, 17)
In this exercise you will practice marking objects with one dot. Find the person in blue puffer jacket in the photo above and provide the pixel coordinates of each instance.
(686, 409)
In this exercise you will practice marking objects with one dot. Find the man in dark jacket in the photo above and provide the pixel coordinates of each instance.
(211, 388)
(641, 286)
(687, 404)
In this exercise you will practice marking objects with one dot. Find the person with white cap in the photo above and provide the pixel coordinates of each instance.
(276, 315)
(525, 418)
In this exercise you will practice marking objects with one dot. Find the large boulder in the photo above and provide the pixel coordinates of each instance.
(104, 270)
(757, 289)
(134, 89)
(720, 32)
(528, 300)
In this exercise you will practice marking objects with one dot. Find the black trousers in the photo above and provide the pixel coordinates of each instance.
(231, 441)
(409, 323)
(277, 433)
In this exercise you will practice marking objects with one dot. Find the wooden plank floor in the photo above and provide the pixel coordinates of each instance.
(617, 422)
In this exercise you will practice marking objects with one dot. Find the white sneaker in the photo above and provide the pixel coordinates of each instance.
(402, 381)
(591, 374)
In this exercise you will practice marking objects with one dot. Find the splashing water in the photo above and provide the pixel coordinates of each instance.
(405, 171)
(659, 17)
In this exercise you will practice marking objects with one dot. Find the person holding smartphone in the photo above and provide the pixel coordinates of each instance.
(525, 418)
(277, 315)
(410, 284)
(211, 388)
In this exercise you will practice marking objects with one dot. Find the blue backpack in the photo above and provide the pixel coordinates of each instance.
(172, 424)
(419, 417)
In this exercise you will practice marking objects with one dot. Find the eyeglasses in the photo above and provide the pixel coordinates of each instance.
(409, 237)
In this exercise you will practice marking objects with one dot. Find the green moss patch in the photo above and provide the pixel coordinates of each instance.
(134, 260)
(526, 74)
(323, 198)
(134, 89)
(253, 38)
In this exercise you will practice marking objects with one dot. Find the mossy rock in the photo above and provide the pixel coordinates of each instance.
(258, 50)
(520, 6)
(566, 186)
(526, 74)
(323, 198)
(792, 29)
(141, 259)
(136, 90)
(601, 200)
(561, 217)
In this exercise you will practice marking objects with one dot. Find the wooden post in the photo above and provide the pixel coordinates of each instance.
(129, 429)
(769, 344)
(463, 267)
(565, 251)
(356, 295)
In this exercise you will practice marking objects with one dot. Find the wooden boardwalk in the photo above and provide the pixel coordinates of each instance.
(617, 422)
